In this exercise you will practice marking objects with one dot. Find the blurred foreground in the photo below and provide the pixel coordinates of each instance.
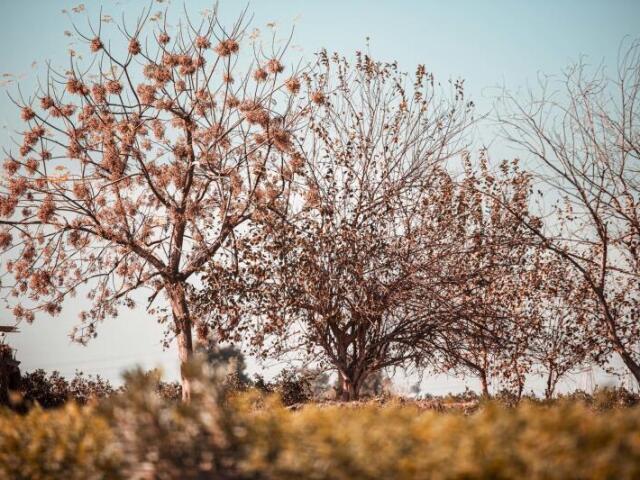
(227, 434)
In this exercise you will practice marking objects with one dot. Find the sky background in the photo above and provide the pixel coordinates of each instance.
(488, 43)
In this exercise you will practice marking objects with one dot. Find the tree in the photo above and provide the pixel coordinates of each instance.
(137, 169)
(228, 357)
(341, 274)
(561, 342)
(497, 263)
(9, 372)
(585, 134)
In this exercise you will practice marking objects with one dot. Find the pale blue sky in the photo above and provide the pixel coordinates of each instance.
(488, 43)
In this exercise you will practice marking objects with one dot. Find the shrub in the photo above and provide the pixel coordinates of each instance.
(165, 439)
(400, 442)
(292, 387)
(70, 443)
(612, 397)
(54, 390)
(604, 398)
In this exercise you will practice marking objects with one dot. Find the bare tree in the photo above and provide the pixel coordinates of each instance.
(138, 168)
(586, 136)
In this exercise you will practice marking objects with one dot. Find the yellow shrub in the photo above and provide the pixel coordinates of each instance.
(68, 443)
(401, 442)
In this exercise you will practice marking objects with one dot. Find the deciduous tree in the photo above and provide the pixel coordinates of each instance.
(138, 167)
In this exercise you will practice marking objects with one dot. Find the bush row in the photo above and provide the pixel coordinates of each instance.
(294, 387)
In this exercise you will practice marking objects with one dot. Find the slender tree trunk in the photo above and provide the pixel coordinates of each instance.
(520, 386)
(338, 387)
(183, 324)
(484, 381)
(618, 346)
(631, 364)
(548, 392)
(185, 352)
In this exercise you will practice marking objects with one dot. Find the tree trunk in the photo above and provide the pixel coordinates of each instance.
(520, 386)
(350, 388)
(183, 324)
(485, 383)
(618, 346)
(185, 352)
(551, 386)
(631, 364)
(338, 387)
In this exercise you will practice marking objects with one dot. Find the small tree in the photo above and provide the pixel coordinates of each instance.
(137, 169)
(54, 390)
(586, 136)
(497, 265)
(561, 342)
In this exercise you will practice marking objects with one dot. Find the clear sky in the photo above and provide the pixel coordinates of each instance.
(488, 43)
